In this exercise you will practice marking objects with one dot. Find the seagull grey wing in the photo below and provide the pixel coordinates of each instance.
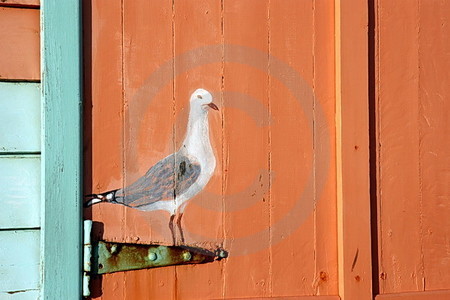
(158, 179)
(168, 178)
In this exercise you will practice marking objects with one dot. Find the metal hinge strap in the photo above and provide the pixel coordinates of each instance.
(87, 256)
(101, 257)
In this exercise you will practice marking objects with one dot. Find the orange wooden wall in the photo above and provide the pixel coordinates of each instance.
(413, 116)
(19, 48)
(271, 143)
(144, 58)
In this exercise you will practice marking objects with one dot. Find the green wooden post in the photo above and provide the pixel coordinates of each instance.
(61, 243)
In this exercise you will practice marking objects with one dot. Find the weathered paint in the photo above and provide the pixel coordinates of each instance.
(61, 240)
(21, 3)
(19, 261)
(21, 295)
(412, 107)
(115, 257)
(130, 130)
(19, 153)
(263, 162)
(352, 150)
(20, 185)
(19, 33)
(21, 117)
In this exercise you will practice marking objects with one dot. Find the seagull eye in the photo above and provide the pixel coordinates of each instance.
(200, 97)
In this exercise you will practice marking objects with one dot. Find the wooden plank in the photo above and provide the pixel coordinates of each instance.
(19, 262)
(291, 35)
(61, 150)
(424, 295)
(151, 106)
(21, 117)
(326, 264)
(247, 154)
(20, 295)
(21, 3)
(148, 129)
(19, 49)
(352, 150)
(20, 185)
(203, 218)
(103, 136)
(401, 267)
(434, 146)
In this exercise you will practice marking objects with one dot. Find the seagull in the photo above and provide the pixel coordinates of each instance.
(177, 178)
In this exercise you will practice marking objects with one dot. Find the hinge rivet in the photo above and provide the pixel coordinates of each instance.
(187, 256)
(113, 249)
(152, 256)
(223, 254)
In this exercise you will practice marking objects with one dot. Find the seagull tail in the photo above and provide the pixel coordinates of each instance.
(92, 199)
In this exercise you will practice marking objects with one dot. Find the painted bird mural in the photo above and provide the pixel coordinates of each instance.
(174, 180)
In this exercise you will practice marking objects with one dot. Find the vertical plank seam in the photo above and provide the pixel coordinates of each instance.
(315, 277)
(373, 140)
(224, 160)
(122, 119)
(174, 137)
(269, 199)
(419, 142)
(224, 166)
(379, 147)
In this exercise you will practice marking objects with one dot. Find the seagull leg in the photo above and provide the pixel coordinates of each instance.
(179, 227)
(171, 228)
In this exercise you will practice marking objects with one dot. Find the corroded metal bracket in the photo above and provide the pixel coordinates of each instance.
(108, 257)
(101, 257)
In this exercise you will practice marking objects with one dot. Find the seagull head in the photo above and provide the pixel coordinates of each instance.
(203, 99)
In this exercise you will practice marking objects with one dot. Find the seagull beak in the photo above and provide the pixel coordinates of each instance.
(213, 106)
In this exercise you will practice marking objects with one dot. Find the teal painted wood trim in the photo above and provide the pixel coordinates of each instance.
(20, 183)
(61, 208)
(19, 260)
(20, 115)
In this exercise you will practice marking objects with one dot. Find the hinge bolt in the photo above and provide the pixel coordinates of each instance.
(223, 254)
(187, 256)
(152, 256)
(113, 249)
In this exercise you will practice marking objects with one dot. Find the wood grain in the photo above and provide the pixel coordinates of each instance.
(248, 154)
(434, 145)
(412, 133)
(399, 166)
(292, 137)
(19, 50)
(61, 183)
(352, 150)
(326, 257)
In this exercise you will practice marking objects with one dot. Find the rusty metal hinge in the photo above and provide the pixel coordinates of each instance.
(103, 257)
